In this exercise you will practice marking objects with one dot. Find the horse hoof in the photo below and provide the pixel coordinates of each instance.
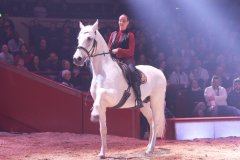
(149, 152)
(95, 118)
(101, 156)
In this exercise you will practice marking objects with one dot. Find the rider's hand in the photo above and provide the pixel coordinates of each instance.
(114, 51)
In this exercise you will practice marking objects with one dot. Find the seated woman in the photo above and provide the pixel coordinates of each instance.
(66, 78)
(35, 65)
(197, 106)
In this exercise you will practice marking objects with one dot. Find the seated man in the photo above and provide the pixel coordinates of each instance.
(216, 98)
(234, 95)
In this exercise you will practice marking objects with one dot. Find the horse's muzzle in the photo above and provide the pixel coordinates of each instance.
(77, 61)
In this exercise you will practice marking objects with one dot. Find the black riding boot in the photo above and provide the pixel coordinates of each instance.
(136, 81)
(137, 91)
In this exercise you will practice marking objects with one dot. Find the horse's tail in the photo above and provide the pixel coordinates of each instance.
(161, 118)
(158, 107)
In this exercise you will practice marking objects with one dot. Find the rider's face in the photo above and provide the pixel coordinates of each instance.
(123, 22)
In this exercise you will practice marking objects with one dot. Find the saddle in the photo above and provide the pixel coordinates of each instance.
(127, 75)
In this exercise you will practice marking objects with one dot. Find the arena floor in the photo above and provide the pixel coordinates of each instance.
(68, 146)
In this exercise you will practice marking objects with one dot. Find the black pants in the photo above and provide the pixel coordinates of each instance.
(134, 75)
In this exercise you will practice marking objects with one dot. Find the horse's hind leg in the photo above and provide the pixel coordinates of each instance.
(158, 120)
(147, 112)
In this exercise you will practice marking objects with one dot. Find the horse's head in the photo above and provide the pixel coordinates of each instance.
(86, 43)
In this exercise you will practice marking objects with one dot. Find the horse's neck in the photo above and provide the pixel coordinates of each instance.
(103, 64)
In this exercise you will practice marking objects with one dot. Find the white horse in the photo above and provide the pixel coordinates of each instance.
(108, 85)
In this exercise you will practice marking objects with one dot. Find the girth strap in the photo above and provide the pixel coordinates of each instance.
(124, 98)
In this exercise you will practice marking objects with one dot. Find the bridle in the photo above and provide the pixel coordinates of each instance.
(90, 53)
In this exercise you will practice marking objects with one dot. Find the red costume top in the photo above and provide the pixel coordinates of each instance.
(125, 42)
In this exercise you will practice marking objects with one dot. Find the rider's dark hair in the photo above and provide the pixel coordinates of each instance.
(125, 16)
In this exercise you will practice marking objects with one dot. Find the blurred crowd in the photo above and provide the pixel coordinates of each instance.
(48, 52)
(62, 8)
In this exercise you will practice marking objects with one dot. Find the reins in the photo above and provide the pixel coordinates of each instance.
(91, 51)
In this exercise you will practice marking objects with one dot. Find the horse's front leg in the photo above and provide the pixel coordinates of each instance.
(97, 105)
(103, 132)
(99, 114)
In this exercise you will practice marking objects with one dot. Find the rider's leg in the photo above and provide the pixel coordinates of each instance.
(135, 79)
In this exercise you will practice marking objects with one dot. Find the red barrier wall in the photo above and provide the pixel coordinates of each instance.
(32, 103)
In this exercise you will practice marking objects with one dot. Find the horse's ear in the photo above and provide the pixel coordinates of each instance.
(95, 25)
(81, 25)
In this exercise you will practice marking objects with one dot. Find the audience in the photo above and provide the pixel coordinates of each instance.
(66, 78)
(24, 53)
(67, 43)
(178, 77)
(195, 96)
(21, 64)
(234, 95)
(5, 56)
(199, 73)
(52, 63)
(15, 43)
(225, 77)
(8, 29)
(81, 79)
(66, 64)
(216, 98)
(39, 10)
(35, 65)
(42, 49)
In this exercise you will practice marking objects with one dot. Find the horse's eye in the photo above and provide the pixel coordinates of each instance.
(89, 38)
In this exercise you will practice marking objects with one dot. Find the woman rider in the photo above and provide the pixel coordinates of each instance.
(122, 45)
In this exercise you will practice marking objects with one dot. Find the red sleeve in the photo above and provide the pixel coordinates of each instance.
(123, 53)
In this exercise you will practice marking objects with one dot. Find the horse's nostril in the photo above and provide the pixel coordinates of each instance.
(79, 58)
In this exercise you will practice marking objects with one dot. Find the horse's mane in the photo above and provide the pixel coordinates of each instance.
(103, 42)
